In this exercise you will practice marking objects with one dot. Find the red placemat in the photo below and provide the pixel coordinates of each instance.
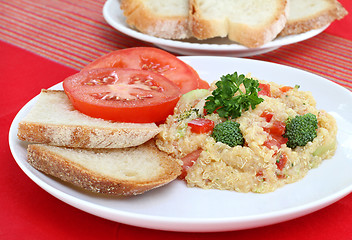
(27, 211)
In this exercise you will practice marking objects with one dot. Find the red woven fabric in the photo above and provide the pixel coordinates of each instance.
(74, 33)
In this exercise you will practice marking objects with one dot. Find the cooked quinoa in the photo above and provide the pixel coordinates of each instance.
(252, 167)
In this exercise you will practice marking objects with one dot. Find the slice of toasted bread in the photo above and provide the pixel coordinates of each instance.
(54, 121)
(306, 15)
(159, 18)
(251, 23)
(127, 171)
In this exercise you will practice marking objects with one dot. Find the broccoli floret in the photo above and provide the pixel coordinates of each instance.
(300, 130)
(228, 132)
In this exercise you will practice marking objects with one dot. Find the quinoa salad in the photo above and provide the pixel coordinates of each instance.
(272, 141)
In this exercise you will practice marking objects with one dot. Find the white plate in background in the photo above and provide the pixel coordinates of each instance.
(212, 47)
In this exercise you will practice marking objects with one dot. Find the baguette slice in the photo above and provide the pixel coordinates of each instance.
(54, 121)
(251, 23)
(306, 15)
(160, 18)
(127, 171)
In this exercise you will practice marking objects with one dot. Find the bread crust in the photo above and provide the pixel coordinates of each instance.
(54, 164)
(316, 20)
(244, 34)
(83, 136)
(139, 16)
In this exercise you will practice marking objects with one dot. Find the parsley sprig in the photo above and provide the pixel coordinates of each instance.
(228, 100)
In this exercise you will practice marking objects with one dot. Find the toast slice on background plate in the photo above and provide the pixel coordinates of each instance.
(54, 121)
(251, 23)
(160, 18)
(126, 171)
(306, 15)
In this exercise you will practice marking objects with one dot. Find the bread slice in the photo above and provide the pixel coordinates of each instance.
(54, 121)
(251, 23)
(127, 171)
(160, 18)
(306, 15)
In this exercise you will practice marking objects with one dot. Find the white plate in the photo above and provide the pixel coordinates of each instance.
(217, 46)
(178, 208)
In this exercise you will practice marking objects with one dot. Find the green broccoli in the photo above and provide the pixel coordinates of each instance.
(300, 130)
(228, 132)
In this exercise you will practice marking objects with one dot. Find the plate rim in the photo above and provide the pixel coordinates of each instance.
(129, 217)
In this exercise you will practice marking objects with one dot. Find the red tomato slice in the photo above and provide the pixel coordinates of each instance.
(281, 161)
(275, 140)
(264, 89)
(123, 95)
(201, 125)
(152, 59)
(267, 115)
(285, 88)
(188, 161)
(203, 84)
(277, 128)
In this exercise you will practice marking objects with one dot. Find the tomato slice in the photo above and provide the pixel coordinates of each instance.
(201, 125)
(203, 84)
(152, 59)
(281, 161)
(188, 161)
(285, 88)
(267, 115)
(123, 95)
(277, 128)
(264, 89)
(275, 140)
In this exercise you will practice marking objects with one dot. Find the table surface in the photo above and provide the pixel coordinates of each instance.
(42, 42)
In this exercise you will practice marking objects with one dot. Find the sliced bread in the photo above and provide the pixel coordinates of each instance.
(159, 18)
(305, 15)
(127, 171)
(54, 121)
(251, 23)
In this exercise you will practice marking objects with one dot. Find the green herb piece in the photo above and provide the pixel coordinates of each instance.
(228, 100)
(188, 114)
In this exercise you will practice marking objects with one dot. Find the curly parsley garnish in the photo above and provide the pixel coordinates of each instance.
(224, 101)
